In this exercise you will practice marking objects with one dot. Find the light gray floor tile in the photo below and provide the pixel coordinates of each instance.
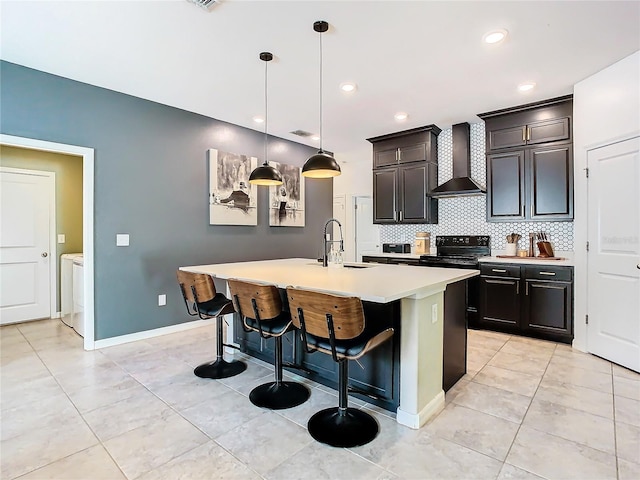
(456, 390)
(619, 371)
(519, 363)
(265, 442)
(509, 472)
(479, 354)
(562, 373)
(579, 359)
(628, 470)
(534, 342)
(571, 424)
(37, 448)
(516, 382)
(473, 368)
(254, 375)
(429, 457)
(534, 351)
(554, 457)
(16, 394)
(494, 401)
(628, 442)
(476, 430)
(573, 396)
(94, 463)
(626, 387)
(141, 409)
(319, 400)
(184, 389)
(208, 461)
(222, 414)
(96, 396)
(488, 342)
(145, 448)
(627, 411)
(318, 461)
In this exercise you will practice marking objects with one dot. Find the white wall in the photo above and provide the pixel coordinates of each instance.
(606, 108)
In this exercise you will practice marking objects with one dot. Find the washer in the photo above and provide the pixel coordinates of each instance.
(66, 286)
(78, 295)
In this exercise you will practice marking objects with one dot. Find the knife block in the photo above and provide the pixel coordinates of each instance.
(546, 250)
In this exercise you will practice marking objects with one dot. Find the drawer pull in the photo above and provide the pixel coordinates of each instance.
(552, 274)
(498, 270)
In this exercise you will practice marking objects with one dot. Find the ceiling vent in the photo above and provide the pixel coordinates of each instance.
(302, 133)
(205, 4)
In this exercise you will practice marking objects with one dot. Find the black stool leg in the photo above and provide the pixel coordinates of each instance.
(220, 368)
(279, 395)
(343, 426)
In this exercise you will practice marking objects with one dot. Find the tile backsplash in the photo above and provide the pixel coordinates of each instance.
(467, 215)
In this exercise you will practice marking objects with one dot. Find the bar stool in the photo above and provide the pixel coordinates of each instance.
(201, 299)
(335, 325)
(260, 306)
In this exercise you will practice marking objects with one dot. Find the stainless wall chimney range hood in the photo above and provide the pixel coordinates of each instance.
(461, 184)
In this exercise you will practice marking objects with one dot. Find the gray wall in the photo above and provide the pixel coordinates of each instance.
(151, 179)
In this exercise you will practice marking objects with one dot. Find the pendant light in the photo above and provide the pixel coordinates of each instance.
(321, 165)
(265, 174)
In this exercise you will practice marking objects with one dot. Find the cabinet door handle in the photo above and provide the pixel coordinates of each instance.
(498, 270)
(524, 134)
(398, 154)
(518, 288)
(528, 133)
(527, 289)
(531, 210)
(395, 215)
(522, 214)
(548, 273)
(401, 218)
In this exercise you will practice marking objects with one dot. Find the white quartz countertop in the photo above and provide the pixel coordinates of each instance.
(566, 262)
(393, 255)
(375, 283)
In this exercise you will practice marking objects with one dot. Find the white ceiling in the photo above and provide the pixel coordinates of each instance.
(425, 58)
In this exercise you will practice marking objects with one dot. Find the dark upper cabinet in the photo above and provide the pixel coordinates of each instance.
(405, 170)
(530, 162)
(400, 194)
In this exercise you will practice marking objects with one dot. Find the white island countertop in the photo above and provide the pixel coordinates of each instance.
(371, 282)
(567, 259)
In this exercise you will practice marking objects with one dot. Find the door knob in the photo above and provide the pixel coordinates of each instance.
(45, 254)
(638, 266)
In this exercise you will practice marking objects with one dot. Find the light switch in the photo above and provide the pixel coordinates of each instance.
(434, 313)
(122, 240)
(61, 238)
(162, 300)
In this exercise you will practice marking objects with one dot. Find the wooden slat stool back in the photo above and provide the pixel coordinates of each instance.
(260, 306)
(336, 325)
(202, 300)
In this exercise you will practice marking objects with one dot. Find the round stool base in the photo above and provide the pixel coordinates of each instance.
(351, 429)
(278, 396)
(220, 369)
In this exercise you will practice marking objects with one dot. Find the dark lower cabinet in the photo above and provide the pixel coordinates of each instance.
(530, 300)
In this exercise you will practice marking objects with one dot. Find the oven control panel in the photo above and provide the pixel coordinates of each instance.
(463, 241)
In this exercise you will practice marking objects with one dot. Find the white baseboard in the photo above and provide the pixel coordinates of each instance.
(56, 315)
(156, 332)
(417, 420)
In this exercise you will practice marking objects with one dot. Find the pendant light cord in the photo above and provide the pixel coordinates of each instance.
(320, 33)
(266, 113)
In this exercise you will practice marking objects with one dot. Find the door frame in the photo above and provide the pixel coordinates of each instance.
(88, 167)
(51, 194)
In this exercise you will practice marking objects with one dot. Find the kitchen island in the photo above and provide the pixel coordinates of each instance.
(419, 291)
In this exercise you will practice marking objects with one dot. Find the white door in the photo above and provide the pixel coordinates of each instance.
(367, 234)
(25, 259)
(613, 281)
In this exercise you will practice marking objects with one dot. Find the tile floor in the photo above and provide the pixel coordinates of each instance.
(527, 409)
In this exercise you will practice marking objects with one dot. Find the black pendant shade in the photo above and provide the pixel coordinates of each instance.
(265, 174)
(321, 165)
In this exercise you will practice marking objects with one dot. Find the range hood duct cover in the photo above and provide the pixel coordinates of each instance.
(461, 184)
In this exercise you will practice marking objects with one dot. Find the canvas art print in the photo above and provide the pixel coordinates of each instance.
(232, 199)
(286, 201)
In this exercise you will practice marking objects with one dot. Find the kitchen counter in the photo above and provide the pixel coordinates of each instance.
(396, 255)
(567, 262)
(420, 291)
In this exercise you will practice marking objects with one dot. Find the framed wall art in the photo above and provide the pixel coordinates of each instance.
(286, 201)
(232, 199)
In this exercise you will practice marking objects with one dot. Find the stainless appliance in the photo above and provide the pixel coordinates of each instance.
(396, 248)
(461, 251)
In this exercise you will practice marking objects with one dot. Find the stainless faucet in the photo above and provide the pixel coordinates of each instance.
(326, 242)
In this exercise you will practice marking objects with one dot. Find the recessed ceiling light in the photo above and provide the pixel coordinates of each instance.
(495, 36)
(348, 87)
(525, 87)
(315, 137)
(401, 116)
(258, 119)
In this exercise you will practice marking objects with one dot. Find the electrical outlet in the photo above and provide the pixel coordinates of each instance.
(162, 300)
(122, 240)
(61, 238)
(434, 313)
